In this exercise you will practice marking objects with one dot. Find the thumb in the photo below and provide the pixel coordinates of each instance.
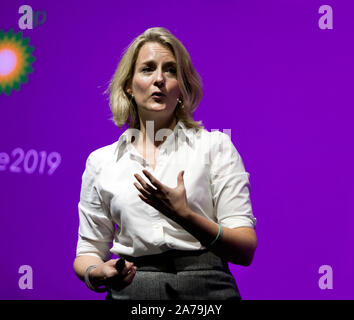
(180, 177)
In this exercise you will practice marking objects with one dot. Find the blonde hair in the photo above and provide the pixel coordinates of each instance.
(122, 105)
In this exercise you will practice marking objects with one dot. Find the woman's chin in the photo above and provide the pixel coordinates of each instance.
(157, 106)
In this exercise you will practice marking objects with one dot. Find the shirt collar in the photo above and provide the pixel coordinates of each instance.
(127, 135)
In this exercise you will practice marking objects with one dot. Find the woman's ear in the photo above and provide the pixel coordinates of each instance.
(127, 88)
(128, 91)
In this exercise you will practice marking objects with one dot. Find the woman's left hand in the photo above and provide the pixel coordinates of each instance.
(172, 202)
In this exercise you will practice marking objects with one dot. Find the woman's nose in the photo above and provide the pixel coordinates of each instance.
(159, 79)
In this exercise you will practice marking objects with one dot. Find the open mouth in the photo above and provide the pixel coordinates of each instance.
(158, 95)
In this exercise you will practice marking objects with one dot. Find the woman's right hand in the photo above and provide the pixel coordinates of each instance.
(107, 274)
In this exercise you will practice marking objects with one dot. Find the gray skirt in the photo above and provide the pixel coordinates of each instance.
(179, 275)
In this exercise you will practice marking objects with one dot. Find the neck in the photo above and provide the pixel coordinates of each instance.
(149, 128)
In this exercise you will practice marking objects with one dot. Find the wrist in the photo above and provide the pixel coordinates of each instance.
(185, 213)
(95, 278)
(93, 282)
(217, 238)
(206, 231)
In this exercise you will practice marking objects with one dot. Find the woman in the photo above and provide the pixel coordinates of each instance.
(178, 194)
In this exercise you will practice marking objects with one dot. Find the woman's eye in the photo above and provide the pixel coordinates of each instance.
(149, 69)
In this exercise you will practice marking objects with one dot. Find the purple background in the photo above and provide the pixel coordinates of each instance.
(281, 84)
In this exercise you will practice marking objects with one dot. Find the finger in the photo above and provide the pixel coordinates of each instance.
(129, 278)
(153, 180)
(121, 281)
(148, 201)
(145, 185)
(142, 190)
(159, 206)
(128, 269)
(128, 265)
(180, 178)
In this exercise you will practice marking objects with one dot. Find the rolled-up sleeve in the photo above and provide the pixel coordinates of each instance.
(230, 185)
(96, 228)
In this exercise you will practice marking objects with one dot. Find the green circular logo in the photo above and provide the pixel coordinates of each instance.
(15, 61)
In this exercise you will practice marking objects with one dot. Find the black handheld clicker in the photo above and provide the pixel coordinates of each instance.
(120, 264)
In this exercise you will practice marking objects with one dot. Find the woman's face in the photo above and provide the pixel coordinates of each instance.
(155, 71)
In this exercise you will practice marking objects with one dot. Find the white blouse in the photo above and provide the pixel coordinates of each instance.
(111, 211)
